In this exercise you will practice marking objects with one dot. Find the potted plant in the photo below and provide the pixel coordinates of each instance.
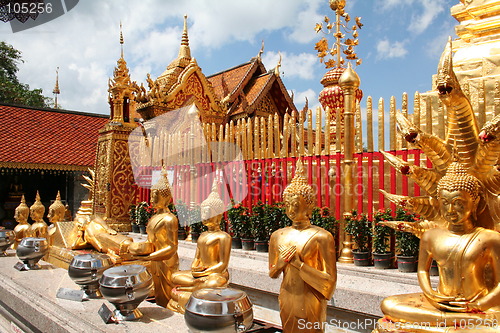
(238, 218)
(407, 244)
(143, 213)
(359, 227)
(261, 222)
(381, 237)
(194, 220)
(133, 218)
(321, 217)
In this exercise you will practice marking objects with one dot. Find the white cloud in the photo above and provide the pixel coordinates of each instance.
(299, 98)
(387, 49)
(431, 9)
(292, 65)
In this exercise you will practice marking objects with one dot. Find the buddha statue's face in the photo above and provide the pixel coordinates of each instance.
(158, 200)
(54, 216)
(297, 208)
(36, 213)
(209, 217)
(21, 215)
(456, 206)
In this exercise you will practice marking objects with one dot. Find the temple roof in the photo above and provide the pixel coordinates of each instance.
(47, 138)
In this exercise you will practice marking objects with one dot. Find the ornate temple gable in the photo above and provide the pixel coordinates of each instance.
(193, 84)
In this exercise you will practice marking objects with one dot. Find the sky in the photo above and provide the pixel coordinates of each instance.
(400, 44)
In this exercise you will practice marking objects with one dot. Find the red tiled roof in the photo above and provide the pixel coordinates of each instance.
(41, 136)
(230, 79)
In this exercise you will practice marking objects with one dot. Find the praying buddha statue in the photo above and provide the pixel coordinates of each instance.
(305, 254)
(21, 216)
(39, 227)
(160, 248)
(210, 265)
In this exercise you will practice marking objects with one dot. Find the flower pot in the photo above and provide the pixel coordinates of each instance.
(181, 234)
(236, 243)
(362, 258)
(194, 237)
(407, 264)
(434, 269)
(382, 260)
(135, 228)
(142, 229)
(247, 244)
(262, 246)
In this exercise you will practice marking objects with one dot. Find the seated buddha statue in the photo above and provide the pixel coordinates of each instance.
(468, 260)
(57, 212)
(305, 254)
(21, 216)
(160, 248)
(210, 264)
(39, 227)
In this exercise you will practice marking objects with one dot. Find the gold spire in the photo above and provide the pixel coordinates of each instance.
(184, 51)
(121, 39)
(56, 90)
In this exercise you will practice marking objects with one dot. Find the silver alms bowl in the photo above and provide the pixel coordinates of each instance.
(219, 310)
(86, 270)
(126, 287)
(7, 238)
(30, 250)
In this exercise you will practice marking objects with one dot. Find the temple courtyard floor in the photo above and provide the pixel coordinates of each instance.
(28, 301)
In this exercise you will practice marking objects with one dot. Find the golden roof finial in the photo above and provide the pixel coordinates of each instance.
(261, 51)
(56, 90)
(121, 39)
(336, 29)
(184, 51)
(278, 66)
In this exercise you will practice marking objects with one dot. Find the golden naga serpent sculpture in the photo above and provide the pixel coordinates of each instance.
(477, 150)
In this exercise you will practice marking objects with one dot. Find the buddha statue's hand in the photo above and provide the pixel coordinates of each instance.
(464, 305)
(286, 253)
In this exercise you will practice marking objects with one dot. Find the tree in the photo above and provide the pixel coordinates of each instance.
(11, 90)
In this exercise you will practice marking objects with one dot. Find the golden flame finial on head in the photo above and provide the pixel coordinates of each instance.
(213, 200)
(23, 207)
(57, 206)
(37, 205)
(299, 186)
(458, 179)
(162, 185)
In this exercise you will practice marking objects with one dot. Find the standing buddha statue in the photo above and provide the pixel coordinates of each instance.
(305, 254)
(21, 216)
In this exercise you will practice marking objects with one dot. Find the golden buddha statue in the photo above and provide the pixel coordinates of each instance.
(462, 207)
(57, 210)
(21, 216)
(210, 264)
(93, 231)
(161, 245)
(306, 255)
(39, 227)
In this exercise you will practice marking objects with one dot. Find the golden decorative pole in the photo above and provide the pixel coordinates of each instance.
(349, 82)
